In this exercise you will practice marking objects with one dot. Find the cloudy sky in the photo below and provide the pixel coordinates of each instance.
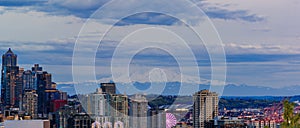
(261, 38)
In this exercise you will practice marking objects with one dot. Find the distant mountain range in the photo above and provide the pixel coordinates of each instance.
(172, 88)
(246, 90)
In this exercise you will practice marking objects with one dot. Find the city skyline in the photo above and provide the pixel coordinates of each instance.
(31, 91)
(230, 89)
(255, 47)
(39, 100)
(150, 64)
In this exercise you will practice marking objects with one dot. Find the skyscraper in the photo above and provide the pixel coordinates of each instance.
(28, 81)
(97, 106)
(119, 109)
(157, 118)
(36, 69)
(138, 111)
(109, 88)
(205, 107)
(10, 80)
(19, 88)
(97, 103)
(30, 103)
(45, 101)
(45, 92)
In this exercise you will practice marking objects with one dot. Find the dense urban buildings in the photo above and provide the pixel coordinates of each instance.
(107, 108)
(29, 98)
(30, 93)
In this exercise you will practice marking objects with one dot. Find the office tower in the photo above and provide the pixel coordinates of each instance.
(19, 88)
(108, 88)
(47, 78)
(36, 69)
(30, 101)
(138, 111)
(97, 103)
(157, 118)
(205, 107)
(49, 96)
(119, 103)
(28, 81)
(98, 106)
(119, 109)
(45, 91)
(41, 87)
(9, 81)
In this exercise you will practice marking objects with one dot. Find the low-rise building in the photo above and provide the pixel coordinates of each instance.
(27, 124)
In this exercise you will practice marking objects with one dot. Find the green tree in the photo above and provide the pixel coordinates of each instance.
(291, 120)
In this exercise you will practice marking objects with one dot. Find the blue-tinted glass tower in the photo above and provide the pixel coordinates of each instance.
(10, 81)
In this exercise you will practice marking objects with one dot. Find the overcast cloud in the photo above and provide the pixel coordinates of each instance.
(261, 38)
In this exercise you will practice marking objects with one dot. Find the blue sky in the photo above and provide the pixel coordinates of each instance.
(260, 37)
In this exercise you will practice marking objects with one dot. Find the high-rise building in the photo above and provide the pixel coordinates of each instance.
(98, 106)
(97, 103)
(36, 69)
(157, 118)
(28, 81)
(205, 107)
(49, 96)
(30, 101)
(119, 109)
(138, 111)
(19, 88)
(108, 88)
(10, 81)
(45, 91)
